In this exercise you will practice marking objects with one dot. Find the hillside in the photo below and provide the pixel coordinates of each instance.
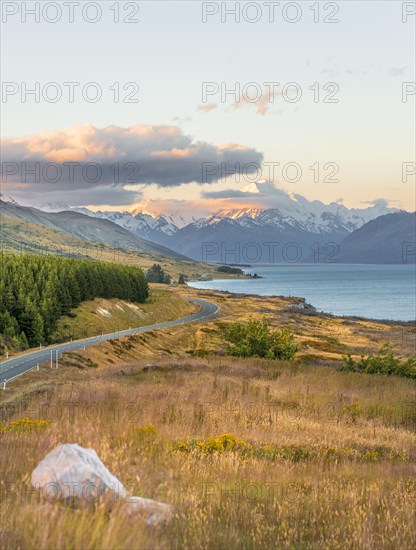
(272, 448)
(384, 240)
(36, 290)
(87, 228)
(112, 315)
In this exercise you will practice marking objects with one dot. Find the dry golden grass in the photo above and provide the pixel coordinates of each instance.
(221, 499)
(103, 315)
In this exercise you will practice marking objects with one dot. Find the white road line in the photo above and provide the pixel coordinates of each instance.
(79, 344)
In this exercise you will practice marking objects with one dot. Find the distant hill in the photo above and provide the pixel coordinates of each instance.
(384, 240)
(86, 228)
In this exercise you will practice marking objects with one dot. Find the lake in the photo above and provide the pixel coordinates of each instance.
(373, 291)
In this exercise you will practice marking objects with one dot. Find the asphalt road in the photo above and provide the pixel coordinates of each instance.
(11, 368)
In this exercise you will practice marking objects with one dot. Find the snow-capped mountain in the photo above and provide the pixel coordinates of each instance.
(291, 220)
(334, 218)
(296, 211)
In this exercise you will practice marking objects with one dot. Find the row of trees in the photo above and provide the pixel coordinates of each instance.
(156, 274)
(36, 290)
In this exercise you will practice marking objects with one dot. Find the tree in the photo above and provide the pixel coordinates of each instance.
(31, 324)
(36, 290)
(155, 274)
(181, 280)
(23, 341)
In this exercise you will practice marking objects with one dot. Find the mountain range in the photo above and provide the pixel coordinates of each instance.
(266, 235)
(292, 229)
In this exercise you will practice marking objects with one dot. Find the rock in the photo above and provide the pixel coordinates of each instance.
(73, 473)
(156, 513)
(303, 305)
(146, 368)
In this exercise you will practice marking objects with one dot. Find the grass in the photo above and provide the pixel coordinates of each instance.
(251, 453)
(101, 315)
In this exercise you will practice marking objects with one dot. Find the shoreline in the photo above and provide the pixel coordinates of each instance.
(307, 310)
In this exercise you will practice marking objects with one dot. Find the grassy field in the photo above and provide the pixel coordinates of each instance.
(312, 457)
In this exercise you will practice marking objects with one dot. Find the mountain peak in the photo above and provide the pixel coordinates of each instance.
(177, 217)
(9, 200)
(236, 213)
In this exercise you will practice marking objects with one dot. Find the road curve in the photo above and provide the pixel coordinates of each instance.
(19, 365)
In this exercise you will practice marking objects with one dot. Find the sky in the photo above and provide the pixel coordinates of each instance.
(331, 124)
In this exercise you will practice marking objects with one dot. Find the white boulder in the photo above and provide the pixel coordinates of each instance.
(71, 472)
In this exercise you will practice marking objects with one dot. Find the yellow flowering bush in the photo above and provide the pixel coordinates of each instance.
(142, 432)
(26, 424)
(290, 452)
(223, 443)
(220, 444)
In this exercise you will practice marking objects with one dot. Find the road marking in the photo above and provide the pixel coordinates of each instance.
(209, 308)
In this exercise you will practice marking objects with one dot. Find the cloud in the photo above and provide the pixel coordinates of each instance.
(229, 194)
(376, 202)
(329, 72)
(262, 102)
(265, 195)
(206, 108)
(182, 119)
(116, 196)
(397, 71)
(259, 194)
(89, 160)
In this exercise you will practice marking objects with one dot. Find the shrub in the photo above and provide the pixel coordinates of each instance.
(382, 362)
(182, 279)
(26, 424)
(221, 444)
(255, 338)
(230, 270)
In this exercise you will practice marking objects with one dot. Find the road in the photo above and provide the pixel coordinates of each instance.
(23, 363)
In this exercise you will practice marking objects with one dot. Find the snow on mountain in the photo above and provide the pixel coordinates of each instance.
(51, 206)
(142, 224)
(178, 218)
(9, 200)
(298, 212)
